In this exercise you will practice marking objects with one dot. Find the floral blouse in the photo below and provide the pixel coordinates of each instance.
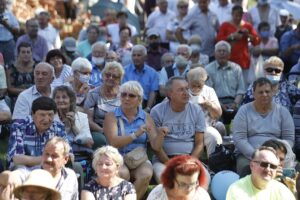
(117, 192)
(287, 95)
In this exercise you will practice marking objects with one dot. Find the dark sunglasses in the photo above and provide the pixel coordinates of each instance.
(130, 95)
(266, 164)
(109, 75)
(270, 70)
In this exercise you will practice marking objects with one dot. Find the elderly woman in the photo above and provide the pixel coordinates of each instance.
(206, 97)
(108, 185)
(129, 127)
(283, 92)
(182, 178)
(182, 7)
(62, 71)
(82, 69)
(259, 121)
(76, 123)
(19, 75)
(103, 99)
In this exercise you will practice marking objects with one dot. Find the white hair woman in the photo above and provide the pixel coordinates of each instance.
(206, 97)
(103, 99)
(129, 127)
(82, 69)
(108, 185)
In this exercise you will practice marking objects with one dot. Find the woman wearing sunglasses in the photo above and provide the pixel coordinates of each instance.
(183, 178)
(129, 127)
(102, 99)
(284, 93)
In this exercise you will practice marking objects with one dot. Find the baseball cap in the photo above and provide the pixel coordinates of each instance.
(284, 12)
(70, 44)
(152, 32)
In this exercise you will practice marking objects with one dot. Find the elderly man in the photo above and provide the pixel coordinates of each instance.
(260, 184)
(159, 19)
(222, 8)
(43, 77)
(28, 136)
(97, 58)
(259, 121)
(227, 79)
(182, 121)
(9, 27)
(38, 43)
(85, 47)
(144, 74)
(179, 68)
(53, 159)
(200, 21)
(48, 31)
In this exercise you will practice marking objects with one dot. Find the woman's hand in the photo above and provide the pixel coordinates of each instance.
(89, 142)
(163, 131)
(84, 89)
(70, 117)
(143, 128)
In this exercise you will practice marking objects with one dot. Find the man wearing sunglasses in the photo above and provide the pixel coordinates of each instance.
(260, 184)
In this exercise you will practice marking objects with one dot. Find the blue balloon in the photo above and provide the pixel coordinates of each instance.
(221, 182)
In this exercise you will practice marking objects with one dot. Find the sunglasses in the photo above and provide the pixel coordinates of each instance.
(110, 75)
(266, 165)
(270, 70)
(130, 95)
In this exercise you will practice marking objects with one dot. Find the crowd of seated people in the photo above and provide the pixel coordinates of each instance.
(106, 115)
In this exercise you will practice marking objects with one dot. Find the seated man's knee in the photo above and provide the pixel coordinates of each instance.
(211, 139)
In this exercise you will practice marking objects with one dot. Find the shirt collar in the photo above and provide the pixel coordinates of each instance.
(223, 67)
(140, 114)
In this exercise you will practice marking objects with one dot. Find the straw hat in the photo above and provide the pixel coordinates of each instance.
(42, 179)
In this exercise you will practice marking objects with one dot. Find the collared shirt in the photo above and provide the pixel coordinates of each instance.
(130, 127)
(96, 77)
(203, 24)
(163, 76)
(147, 77)
(39, 46)
(24, 138)
(5, 34)
(52, 36)
(24, 101)
(159, 21)
(287, 40)
(227, 80)
(67, 185)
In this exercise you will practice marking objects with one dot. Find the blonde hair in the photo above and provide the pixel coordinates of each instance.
(110, 152)
(275, 61)
(113, 65)
(134, 87)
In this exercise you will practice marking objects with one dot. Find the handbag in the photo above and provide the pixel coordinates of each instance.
(135, 157)
(222, 159)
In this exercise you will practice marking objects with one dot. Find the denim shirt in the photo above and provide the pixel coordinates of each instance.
(129, 128)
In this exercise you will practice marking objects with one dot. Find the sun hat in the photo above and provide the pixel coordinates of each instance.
(42, 179)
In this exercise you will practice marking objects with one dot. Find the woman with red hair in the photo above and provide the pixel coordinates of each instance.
(183, 178)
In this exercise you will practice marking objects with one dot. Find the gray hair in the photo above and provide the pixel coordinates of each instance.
(113, 65)
(165, 56)
(47, 65)
(139, 47)
(223, 43)
(171, 80)
(81, 63)
(56, 140)
(99, 43)
(196, 75)
(134, 87)
(185, 46)
(110, 152)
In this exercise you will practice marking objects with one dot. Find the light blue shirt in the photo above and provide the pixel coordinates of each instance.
(147, 77)
(96, 78)
(5, 34)
(130, 127)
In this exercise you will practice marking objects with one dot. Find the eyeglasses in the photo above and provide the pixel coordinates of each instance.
(110, 75)
(130, 95)
(266, 164)
(270, 70)
(186, 186)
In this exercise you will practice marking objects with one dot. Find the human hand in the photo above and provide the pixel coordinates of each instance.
(290, 183)
(142, 129)
(6, 193)
(163, 131)
(89, 142)
(84, 89)
(70, 116)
